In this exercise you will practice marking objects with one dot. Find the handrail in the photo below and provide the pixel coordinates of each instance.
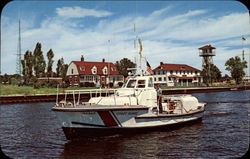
(94, 93)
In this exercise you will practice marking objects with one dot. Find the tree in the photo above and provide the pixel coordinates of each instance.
(123, 65)
(64, 71)
(60, 63)
(39, 62)
(236, 67)
(214, 75)
(27, 64)
(61, 69)
(50, 56)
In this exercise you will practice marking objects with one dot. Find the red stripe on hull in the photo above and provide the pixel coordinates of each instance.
(107, 118)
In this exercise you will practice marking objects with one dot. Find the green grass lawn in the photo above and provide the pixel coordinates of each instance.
(6, 90)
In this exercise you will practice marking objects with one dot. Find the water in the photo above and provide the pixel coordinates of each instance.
(33, 131)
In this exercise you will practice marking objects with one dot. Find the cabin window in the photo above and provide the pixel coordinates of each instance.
(141, 84)
(131, 84)
(150, 82)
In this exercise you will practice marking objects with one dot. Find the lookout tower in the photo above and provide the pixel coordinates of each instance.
(207, 52)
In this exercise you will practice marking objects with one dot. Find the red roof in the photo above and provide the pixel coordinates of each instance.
(99, 65)
(207, 47)
(174, 67)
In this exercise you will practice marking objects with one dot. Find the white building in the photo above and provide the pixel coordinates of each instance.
(177, 75)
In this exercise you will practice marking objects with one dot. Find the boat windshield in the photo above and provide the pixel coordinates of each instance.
(141, 84)
(131, 84)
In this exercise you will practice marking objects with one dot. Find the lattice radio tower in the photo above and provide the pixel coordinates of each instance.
(19, 55)
(207, 52)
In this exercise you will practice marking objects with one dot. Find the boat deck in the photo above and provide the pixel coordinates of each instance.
(98, 108)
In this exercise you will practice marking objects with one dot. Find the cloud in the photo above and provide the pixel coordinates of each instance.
(78, 12)
(170, 39)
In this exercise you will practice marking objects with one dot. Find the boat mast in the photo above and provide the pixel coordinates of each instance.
(140, 51)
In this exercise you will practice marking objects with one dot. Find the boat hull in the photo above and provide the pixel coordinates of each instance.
(74, 133)
(98, 122)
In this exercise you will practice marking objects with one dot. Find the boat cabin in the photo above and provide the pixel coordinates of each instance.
(139, 82)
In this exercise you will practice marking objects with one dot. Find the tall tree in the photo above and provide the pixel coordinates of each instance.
(123, 65)
(214, 75)
(59, 67)
(50, 56)
(64, 71)
(27, 64)
(236, 67)
(39, 62)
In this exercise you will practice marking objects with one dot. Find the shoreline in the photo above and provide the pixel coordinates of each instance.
(16, 99)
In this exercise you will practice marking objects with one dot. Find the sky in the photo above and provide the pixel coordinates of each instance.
(171, 31)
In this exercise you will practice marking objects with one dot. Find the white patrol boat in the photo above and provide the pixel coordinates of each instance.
(130, 109)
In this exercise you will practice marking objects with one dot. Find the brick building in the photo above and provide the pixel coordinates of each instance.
(86, 73)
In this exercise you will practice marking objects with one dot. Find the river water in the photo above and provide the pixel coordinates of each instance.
(33, 131)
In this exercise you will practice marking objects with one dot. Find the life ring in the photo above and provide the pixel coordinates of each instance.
(171, 105)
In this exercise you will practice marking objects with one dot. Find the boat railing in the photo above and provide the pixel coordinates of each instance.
(76, 95)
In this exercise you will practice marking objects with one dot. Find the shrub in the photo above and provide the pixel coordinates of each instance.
(37, 85)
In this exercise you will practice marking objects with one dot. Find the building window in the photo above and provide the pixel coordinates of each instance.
(72, 71)
(171, 72)
(169, 78)
(195, 72)
(165, 78)
(155, 79)
(105, 70)
(94, 70)
(184, 72)
(159, 79)
(82, 68)
(195, 78)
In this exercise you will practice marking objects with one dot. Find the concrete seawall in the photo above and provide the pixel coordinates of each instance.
(85, 97)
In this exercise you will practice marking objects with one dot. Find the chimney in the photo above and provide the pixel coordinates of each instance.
(161, 63)
(82, 58)
(103, 60)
